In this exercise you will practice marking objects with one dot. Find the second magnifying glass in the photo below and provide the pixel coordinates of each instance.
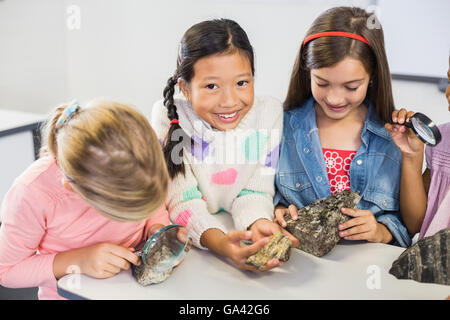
(424, 128)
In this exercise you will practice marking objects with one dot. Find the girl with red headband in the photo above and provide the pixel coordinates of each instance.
(338, 100)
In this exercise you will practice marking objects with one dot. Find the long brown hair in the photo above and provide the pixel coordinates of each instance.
(327, 51)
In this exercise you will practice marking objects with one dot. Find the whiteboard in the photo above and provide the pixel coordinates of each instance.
(417, 36)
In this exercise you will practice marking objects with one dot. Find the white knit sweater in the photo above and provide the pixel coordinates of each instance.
(225, 170)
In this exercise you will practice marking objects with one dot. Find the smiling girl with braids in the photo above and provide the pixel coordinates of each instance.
(217, 115)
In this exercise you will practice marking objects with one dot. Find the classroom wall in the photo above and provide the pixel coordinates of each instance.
(417, 36)
(126, 49)
(32, 54)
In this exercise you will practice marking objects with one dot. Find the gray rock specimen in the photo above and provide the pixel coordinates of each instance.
(146, 274)
(316, 226)
(426, 261)
(277, 248)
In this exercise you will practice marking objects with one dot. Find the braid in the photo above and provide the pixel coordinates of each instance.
(168, 92)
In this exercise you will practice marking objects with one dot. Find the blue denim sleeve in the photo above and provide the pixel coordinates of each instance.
(279, 199)
(395, 226)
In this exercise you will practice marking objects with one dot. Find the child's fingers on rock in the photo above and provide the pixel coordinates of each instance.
(293, 211)
(236, 235)
(359, 236)
(123, 252)
(349, 212)
(279, 217)
(355, 230)
(351, 223)
(273, 263)
(294, 240)
(255, 247)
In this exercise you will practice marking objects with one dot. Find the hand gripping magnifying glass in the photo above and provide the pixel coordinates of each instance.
(424, 128)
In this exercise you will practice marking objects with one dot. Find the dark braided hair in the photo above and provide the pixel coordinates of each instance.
(199, 41)
(173, 168)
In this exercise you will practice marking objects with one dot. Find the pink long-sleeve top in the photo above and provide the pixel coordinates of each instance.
(41, 218)
(437, 216)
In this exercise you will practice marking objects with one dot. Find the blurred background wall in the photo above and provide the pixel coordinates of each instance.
(52, 51)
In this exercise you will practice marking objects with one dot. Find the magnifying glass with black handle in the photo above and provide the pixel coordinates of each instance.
(424, 128)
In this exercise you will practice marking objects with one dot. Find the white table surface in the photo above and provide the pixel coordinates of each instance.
(341, 274)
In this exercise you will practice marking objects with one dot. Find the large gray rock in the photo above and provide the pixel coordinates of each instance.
(278, 247)
(426, 261)
(316, 226)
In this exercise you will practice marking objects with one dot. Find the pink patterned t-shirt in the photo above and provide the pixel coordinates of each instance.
(338, 168)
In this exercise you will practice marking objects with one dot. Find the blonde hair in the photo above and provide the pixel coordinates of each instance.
(112, 158)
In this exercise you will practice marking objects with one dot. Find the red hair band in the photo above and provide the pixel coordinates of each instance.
(174, 121)
(335, 34)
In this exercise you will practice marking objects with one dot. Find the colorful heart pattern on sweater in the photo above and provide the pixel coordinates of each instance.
(200, 148)
(226, 177)
(273, 157)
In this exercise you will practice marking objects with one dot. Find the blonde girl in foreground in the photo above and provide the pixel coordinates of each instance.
(97, 190)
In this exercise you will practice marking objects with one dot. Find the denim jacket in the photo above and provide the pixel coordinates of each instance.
(375, 170)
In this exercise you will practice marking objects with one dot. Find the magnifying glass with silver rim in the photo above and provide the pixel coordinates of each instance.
(166, 248)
